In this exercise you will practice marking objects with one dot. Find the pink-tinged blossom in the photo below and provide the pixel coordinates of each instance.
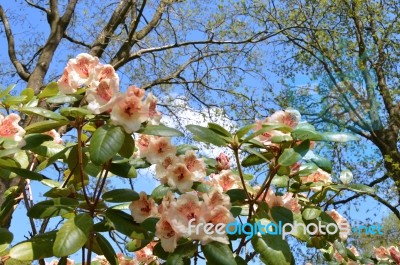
(381, 253)
(143, 144)
(216, 219)
(184, 209)
(223, 162)
(166, 202)
(79, 72)
(214, 198)
(319, 176)
(143, 208)
(153, 115)
(394, 254)
(180, 178)
(159, 148)
(162, 172)
(103, 96)
(194, 165)
(10, 129)
(56, 136)
(127, 112)
(291, 203)
(225, 180)
(166, 234)
(266, 137)
(288, 117)
(343, 225)
(145, 255)
(55, 262)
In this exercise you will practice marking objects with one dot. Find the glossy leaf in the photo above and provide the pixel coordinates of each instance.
(44, 126)
(106, 142)
(292, 155)
(44, 113)
(72, 235)
(50, 90)
(5, 239)
(128, 147)
(121, 195)
(311, 213)
(206, 135)
(61, 99)
(361, 188)
(160, 130)
(38, 247)
(219, 129)
(123, 170)
(339, 137)
(35, 140)
(123, 223)
(306, 134)
(273, 249)
(218, 253)
(181, 149)
(107, 249)
(53, 207)
(75, 112)
(159, 192)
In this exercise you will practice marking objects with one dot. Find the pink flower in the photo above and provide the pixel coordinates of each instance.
(78, 73)
(124, 261)
(143, 144)
(225, 180)
(214, 198)
(319, 176)
(10, 129)
(381, 253)
(143, 208)
(145, 254)
(271, 199)
(266, 137)
(291, 202)
(159, 148)
(152, 114)
(395, 254)
(56, 136)
(128, 113)
(166, 234)
(179, 177)
(288, 117)
(222, 162)
(343, 225)
(194, 165)
(162, 172)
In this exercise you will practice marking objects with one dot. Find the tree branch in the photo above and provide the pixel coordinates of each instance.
(21, 69)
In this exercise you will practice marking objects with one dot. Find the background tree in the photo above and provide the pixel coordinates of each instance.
(349, 49)
(199, 50)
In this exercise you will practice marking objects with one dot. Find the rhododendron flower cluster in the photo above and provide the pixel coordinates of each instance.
(391, 253)
(178, 215)
(342, 223)
(10, 129)
(101, 82)
(289, 201)
(179, 172)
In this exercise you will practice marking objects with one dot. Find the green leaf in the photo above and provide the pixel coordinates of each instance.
(219, 129)
(306, 134)
(75, 112)
(38, 247)
(34, 140)
(361, 188)
(50, 90)
(339, 137)
(159, 192)
(201, 187)
(106, 142)
(181, 149)
(123, 223)
(128, 147)
(150, 224)
(182, 253)
(107, 249)
(120, 195)
(136, 244)
(25, 173)
(5, 239)
(322, 163)
(273, 249)
(160, 130)
(281, 138)
(50, 149)
(236, 195)
(44, 126)
(311, 213)
(123, 170)
(253, 159)
(244, 130)
(280, 181)
(29, 93)
(206, 135)
(7, 91)
(52, 157)
(53, 207)
(14, 100)
(218, 253)
(61, 99)
(72, 235)
(44, 113)
(292, 155)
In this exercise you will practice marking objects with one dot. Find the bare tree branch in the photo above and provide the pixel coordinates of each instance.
(21, 69)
